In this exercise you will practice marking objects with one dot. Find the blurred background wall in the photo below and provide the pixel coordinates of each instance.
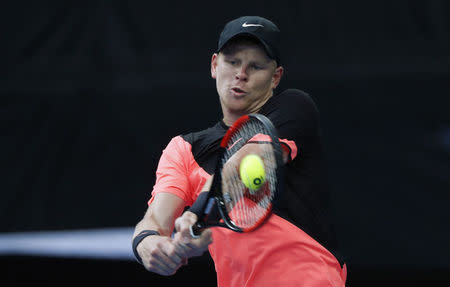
(92, 91)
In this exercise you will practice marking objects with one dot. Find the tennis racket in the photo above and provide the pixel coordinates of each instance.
(229, 203)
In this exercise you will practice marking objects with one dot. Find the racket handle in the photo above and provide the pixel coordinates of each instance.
(196, 230)
(199, 205)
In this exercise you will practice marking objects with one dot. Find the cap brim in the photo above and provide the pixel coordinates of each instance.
(266, 47)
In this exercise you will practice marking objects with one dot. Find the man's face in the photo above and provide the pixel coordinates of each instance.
(245, 79)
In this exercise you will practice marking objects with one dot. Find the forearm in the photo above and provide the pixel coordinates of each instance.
(149, 223)
(144, 225)
(161, 214)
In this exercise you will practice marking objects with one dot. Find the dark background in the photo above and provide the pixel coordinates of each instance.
(92, 91)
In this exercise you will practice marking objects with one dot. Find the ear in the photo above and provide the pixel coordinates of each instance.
(214, 60)
(276, 78)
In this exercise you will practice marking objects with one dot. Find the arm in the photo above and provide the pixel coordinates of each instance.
(159, 253)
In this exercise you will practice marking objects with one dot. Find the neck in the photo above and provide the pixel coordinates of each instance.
(230, 116)
(230, 119)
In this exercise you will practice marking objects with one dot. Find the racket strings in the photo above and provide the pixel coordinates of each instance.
(246, 207)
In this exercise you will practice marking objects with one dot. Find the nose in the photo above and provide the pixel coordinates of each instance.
(241, 73)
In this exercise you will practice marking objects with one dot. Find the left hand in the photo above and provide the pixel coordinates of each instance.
(189, 246)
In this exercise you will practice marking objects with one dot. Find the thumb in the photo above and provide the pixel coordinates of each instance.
(206, 237)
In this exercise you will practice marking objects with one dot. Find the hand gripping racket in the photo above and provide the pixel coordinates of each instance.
(229, 203)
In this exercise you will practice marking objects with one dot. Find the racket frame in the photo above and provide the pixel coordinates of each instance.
(215, 197)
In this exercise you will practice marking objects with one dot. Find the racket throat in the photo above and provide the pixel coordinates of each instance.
(209, 206)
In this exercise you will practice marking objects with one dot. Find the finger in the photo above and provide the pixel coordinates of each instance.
(185, 247)
(204, 240)
(206, 237)
(178, 242)
(187, 219)
(197, 247)
(163, 265)
(184, 223)
(182, 248)
(163, 270)
(174, 251)
(164, 258)
(178, 223)
(155, 264)
(160, 269)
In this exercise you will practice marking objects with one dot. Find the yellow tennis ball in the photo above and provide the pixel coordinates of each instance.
(252, 171)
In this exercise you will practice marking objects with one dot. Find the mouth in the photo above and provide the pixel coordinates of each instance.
(237, 91)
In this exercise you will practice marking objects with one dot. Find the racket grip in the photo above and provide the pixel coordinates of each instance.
(196, 230)
(199, 205)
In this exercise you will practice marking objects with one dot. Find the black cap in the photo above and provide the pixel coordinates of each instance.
(260, 28)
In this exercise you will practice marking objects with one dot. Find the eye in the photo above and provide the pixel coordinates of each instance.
(232, 62)
(257, 67)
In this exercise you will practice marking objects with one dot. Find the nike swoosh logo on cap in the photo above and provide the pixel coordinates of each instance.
(245, 25)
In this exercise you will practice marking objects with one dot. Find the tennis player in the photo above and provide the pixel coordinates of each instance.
(296, 246)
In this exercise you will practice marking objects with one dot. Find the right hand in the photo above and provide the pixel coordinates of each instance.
(161, 255)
